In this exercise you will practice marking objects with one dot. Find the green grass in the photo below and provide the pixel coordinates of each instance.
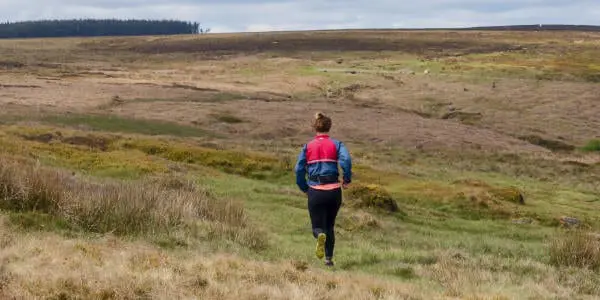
(592, 146)
(125, 125)
(436, 225)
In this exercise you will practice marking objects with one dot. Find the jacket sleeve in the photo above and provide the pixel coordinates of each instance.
(300, 170)
(345, 162)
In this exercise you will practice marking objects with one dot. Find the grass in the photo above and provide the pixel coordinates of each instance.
(43, 196)
(578, 248)
(227, 118)
(251, 165)
(368, 239)
(425, 239)
(592, 146)
(117, 124)
(141, 210)
(548, 144)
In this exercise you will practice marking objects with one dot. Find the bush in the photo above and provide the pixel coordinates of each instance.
(372, 196)
(576, 248)
(592, 146)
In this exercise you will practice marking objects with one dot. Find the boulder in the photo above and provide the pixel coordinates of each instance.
(569, 222)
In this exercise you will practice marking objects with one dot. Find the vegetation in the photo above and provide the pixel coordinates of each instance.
(372, 196)
(91, 27)
(460, 188)
(125, 125)
(592, 146)
(578, 249)
(120, 208)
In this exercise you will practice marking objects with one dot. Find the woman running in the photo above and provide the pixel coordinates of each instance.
(320, 159)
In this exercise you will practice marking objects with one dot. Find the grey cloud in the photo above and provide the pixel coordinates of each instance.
(262, 15)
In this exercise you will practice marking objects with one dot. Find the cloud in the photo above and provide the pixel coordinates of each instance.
(267, 15)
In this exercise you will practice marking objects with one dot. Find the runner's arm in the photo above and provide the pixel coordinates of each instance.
(300, 170)
(345, 162)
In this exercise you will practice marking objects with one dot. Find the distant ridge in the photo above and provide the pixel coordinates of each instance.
(537, 27)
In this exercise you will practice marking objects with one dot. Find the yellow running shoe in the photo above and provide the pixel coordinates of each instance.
(320, 252)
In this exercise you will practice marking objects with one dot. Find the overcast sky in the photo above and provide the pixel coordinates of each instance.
(266, 15)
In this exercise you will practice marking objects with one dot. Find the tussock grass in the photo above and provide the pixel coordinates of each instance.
(372, 196)
(123, 208)
(575, 248)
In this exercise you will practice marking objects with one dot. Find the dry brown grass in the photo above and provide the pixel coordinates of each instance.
(576, 248)
(117, 207)
(50, 266)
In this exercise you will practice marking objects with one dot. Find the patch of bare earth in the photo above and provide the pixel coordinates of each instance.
(557, 110)
(291, 119)
(76, 94)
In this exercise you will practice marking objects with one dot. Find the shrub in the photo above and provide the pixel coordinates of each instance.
(372, 196)
(575, 248)
(592, 146)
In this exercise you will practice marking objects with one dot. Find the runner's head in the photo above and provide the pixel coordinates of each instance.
(322, 123)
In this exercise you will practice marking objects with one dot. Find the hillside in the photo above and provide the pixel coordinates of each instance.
(161, 167)
(540, 27)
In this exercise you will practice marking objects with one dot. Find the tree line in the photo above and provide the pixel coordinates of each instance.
(92, 27)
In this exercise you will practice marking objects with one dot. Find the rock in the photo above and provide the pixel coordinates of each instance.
(569, 222)
(522, 221)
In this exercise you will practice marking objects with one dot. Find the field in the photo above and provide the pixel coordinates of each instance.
(161, 167)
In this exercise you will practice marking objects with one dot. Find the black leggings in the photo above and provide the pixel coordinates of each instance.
(323, 207)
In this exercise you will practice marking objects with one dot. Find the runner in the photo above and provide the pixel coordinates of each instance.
(320, 159)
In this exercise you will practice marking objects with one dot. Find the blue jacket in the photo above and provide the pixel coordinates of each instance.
(322, 157)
